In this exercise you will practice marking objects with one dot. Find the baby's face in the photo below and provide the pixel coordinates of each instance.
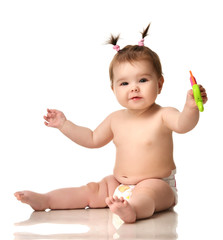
(136, 84)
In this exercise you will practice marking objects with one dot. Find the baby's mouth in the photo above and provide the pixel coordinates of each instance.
(136, 98)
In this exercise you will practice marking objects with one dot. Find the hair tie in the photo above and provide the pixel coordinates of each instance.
(116, 47)
(141, 42)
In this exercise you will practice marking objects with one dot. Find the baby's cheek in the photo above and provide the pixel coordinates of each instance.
(121, 100)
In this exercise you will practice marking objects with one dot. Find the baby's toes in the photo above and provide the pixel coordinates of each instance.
(115, 198)
(19, 195)
(109, 200)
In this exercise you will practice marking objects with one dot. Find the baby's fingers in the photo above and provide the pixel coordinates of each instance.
(46, 120)
(202, 89)
(204, 97)
(203, 93)
(54, 111)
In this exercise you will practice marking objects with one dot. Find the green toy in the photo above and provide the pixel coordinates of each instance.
(197, 93)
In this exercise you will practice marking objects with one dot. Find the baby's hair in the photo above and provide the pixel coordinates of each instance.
(131, 53)
(113, 39)
(145, 31)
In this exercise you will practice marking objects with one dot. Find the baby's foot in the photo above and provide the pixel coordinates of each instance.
(37, 201)
(122, 208)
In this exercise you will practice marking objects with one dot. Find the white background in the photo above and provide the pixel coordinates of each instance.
(52, 55)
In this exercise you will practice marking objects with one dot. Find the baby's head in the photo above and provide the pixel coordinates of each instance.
(134, 53)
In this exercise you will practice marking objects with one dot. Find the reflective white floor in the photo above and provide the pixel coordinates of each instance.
(94, 224)
(190, 220)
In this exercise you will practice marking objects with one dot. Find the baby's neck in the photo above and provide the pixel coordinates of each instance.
(141, 112)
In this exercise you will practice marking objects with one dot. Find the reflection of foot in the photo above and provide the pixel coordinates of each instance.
(37, 201)
(122, 208)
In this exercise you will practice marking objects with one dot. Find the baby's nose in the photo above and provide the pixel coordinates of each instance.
(135, 89)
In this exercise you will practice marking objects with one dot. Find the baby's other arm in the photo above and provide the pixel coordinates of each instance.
(182, 122)
(81, 135)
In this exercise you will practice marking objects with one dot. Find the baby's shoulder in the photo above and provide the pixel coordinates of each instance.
(117, 114)
(167, 110)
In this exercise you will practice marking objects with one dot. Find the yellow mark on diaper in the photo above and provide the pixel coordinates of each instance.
(123, 188)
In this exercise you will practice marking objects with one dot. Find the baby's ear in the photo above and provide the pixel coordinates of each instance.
(160, 84)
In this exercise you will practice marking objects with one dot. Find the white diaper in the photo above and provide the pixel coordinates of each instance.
(172, 183)
(125, 191)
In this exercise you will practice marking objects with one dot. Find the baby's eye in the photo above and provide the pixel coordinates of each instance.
(143, 80)
(124, 84)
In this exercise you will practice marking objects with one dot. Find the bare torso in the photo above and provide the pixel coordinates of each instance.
(144, 146)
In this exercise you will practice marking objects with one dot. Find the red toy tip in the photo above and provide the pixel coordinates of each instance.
(192, 79)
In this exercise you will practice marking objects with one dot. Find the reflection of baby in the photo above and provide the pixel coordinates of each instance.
(142, 134)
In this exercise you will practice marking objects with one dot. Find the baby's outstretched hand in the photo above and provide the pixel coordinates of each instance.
(54, 118)
(190, 97)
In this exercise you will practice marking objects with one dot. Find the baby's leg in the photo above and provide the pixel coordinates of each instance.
(92, 195)
(149, 196)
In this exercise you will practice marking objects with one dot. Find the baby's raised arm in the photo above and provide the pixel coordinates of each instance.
(182, 122)
(80, 135)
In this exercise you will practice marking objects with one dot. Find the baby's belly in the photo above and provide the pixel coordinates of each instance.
(129, 179)
(133, 173)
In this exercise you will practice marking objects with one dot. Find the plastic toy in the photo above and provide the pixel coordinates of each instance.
(197, 93)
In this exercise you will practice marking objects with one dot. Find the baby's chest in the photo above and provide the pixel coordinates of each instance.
(136, 133)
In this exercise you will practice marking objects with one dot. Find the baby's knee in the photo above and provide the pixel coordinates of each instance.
(97, 194)
(93, 187)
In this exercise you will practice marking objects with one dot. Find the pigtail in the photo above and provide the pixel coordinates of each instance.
(144, 34)
(145, 31)
(113, 40)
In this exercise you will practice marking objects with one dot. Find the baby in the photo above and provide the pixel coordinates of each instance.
(143, 180)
